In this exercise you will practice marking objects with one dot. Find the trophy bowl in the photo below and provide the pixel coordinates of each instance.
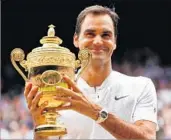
(46, 66)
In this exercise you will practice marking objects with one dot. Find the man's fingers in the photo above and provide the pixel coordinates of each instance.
(31, 95)
(27, 89)
(71, 83)
(39, 109)
(66, 105)
(67, 93)
(36, 99)
(63, 99)
(63, 108)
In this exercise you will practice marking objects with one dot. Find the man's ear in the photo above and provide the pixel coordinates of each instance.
(114, 47)
(75, 40)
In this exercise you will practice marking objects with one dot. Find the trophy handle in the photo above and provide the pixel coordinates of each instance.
(84, 57)
(18, 55)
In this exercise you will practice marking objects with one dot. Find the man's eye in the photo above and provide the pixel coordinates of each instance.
(105, 35)
(90, 35)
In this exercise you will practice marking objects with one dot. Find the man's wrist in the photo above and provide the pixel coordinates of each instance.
(95, 112)
(99, 114)
(103, 115)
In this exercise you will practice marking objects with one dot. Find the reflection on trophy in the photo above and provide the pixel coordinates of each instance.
(46, 66)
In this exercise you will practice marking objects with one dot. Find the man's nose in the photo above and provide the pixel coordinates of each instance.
(97, 40)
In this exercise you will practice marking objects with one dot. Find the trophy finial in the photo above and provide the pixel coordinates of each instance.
(51, 31)
(51, 38)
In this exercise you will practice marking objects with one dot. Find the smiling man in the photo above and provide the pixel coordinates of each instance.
(104, 104)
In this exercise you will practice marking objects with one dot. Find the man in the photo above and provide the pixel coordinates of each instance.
(104, 104)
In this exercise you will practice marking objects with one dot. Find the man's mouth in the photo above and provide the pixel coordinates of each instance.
(97, 48)
(97, 51)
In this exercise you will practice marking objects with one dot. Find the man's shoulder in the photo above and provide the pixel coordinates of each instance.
(136, 85)
(131, 80)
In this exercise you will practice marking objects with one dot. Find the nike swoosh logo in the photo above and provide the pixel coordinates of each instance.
(118, 98)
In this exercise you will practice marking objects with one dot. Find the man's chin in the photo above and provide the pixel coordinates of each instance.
(98, 59)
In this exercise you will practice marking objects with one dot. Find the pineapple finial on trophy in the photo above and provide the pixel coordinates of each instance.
(51, 31)
(51, 39)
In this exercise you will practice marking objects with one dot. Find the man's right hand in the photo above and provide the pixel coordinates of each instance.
(32, 97)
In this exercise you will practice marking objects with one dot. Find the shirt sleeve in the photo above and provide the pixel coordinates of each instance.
(146, 108)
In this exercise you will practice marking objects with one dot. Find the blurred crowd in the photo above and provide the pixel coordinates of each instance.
(16, 122)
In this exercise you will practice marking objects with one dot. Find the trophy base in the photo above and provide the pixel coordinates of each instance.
(50, 130)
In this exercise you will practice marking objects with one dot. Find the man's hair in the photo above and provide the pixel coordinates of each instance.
(96, 10)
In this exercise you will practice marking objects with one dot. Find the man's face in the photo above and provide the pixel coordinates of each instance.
(97, 35)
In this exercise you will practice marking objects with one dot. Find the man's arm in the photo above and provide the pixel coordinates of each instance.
(122, 130)
(144, 113)
(145, 117)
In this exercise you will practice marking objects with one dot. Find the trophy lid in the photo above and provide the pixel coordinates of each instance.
(51, 53)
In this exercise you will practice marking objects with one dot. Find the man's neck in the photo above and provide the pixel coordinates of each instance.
(95, 76)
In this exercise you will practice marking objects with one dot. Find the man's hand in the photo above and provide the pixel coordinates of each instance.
(32, 97)
(77, 101)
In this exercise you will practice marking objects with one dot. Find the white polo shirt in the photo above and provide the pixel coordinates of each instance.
(129, 98)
